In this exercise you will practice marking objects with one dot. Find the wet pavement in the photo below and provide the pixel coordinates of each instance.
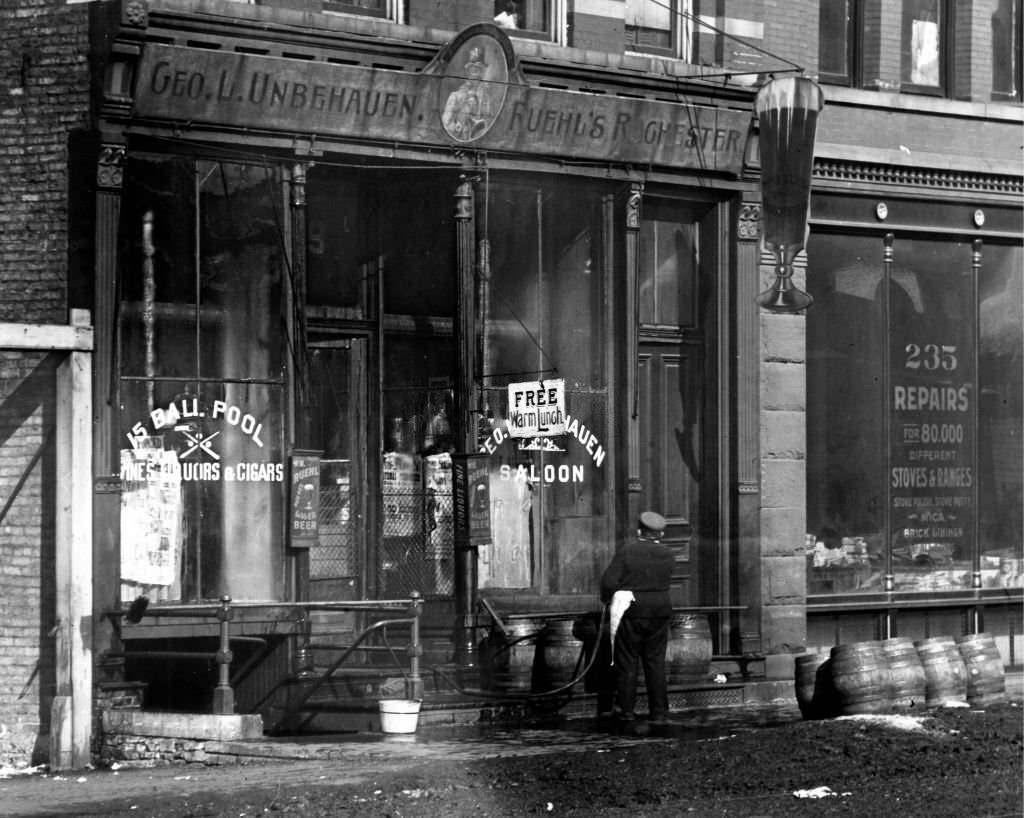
(358, 758)
(350, 758)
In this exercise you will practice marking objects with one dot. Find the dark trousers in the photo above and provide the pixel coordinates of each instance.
(642, 640)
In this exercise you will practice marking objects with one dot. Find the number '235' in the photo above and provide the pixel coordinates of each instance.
(930, 357)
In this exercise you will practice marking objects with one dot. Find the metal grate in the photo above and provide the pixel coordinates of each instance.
(334, 561)
(417, 536)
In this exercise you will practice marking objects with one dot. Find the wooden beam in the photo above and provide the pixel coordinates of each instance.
(71, 716)
(71, 711)
(46, 337)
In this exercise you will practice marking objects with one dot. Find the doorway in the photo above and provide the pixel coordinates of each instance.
(669, 404)
(673, 285)
(336, 413)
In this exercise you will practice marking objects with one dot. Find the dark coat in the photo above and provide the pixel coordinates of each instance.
(645, 568)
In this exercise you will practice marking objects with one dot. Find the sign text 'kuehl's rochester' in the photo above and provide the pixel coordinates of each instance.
(473, 100)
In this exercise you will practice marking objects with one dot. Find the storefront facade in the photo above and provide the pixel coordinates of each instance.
(351, 260)
(333, 271)
(914, 379)
(330, 279)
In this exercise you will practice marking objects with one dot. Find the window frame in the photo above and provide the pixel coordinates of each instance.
(946, 51)
(393, 10)
(681, 33)
(854, 45)
(1015, 56)
(555, 32)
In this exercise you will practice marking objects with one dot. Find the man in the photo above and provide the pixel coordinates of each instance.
(643, 569)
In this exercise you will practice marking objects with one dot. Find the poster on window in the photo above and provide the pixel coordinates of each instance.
(471, 499)
(305, 499)
(932, 459)
(151, 511)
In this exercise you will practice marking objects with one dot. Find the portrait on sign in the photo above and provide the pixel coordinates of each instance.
(474, 89)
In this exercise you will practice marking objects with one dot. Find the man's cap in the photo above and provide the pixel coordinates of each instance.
(652, 521)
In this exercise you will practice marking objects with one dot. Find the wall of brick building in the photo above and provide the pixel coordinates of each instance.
(791, 32)
(44, 100)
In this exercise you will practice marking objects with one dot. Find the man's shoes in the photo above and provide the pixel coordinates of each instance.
(659, 720)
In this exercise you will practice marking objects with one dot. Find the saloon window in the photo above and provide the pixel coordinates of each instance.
(200, 344)
(547, 262)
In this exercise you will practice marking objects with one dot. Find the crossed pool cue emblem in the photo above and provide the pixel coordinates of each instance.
(198, 441)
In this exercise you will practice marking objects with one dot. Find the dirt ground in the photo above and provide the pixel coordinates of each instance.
(954, 762)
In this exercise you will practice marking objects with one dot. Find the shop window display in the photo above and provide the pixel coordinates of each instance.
(939, 498)
(200, 389)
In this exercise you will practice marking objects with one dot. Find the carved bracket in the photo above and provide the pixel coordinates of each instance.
(748, 223)
(110, 167)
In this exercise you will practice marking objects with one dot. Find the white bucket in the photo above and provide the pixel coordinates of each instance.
(399, 715)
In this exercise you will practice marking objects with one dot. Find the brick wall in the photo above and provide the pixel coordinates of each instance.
(791, 32)
(44, 87)
(972, 31)
(598, 25)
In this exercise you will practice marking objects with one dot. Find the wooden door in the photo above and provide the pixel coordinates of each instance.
(670, 425)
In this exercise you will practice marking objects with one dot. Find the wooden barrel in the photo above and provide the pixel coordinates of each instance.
(906, 673)
(986, 679)
(561, 652)
(860, 677)
(513, 655)
(945, 673)
(688, 656)
(813, 680)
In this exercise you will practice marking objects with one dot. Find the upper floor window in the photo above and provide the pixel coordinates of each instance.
(527, 18)
(384, 9)
(837, 31)
(923, 55)
(856, 39)
(1007, 77)
(660, 27)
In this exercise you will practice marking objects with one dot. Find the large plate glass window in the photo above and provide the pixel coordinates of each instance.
(201, 350)
(931, 496)
(545, 319)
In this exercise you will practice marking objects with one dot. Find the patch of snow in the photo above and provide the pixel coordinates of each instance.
(8, 772)
(816, 792)
(899, 722)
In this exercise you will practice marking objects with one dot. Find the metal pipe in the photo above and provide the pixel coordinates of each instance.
(414, 684)
(976, 623)
(463, 428)
(223, 695)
